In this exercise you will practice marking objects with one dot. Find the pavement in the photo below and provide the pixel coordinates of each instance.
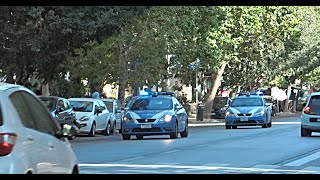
(220, 122)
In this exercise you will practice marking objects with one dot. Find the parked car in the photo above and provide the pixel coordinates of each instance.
(61, 111)
(93, 116)
(114, 107)
(310, 117)
(219, 107)
(271, 102)
(31, 141)
(158, 113)
(248, 110)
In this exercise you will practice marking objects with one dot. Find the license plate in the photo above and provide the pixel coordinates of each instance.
(145, 126)
(244, 119)
(213, 114)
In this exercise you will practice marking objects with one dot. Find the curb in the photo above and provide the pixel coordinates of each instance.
(206, 124)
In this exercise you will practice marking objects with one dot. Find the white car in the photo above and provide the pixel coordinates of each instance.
(310, 117)
(31, 141)
(114, 108)
(92, 115)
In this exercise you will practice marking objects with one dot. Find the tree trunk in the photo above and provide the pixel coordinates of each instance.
(216, 84)
(286, 106)
(123, 79)
(45, 89)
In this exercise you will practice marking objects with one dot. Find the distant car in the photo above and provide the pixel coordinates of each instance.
(270, 101)
(310, 117)
(248, 110)
(219, 107)
(114, 107)
(93, 116)
(31, 141)
(61, 111)
(157, 113)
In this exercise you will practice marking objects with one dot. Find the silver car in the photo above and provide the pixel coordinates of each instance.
(31, 141)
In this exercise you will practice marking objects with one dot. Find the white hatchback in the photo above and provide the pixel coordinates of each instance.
(310, 118)
(92, 115)
(31, 141)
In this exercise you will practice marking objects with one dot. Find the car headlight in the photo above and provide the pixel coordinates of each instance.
(126, 119)
(167, 118)
(259, 113)
(230, 113)
(84, 118)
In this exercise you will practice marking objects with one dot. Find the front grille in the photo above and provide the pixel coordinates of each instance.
(146, 120)
(146, 130)
(249, 121)
(244, 114)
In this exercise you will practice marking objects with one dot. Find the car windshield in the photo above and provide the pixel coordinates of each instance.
(109, 105)
(240, 102)
(152, 104)
(82, 106)
(219, 102)
(49, 102)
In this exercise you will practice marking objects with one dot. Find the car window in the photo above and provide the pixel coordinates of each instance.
(39, 118)
(66, 104)
(314, 100)
(109, 105)
(82, 106)
(118, 106)
(22, 110)
(239, 102)
(61, 106)
(49, 102)
(152, 104)
(102, 105)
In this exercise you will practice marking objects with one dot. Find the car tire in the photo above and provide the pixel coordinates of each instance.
(185, 133)
(265, 125)
(107, 131)
(234, 127)
(139, 137)
(174, 135)
(305, 132)
(228, 127)
(270, 124)
(126, 136)
(92, 132)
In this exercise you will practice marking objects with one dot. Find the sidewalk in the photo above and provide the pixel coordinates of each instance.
(220, 122)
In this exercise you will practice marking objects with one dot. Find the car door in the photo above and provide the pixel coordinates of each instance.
(49, 150)
(180, 114)
(105, 115)
(118, 114)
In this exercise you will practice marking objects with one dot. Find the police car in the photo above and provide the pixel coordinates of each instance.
(248, 109)
(154, 113)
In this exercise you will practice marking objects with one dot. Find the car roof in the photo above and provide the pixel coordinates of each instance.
(315, 94)
(152, 97)
(50, 97)
(83, 99)
(5, 86)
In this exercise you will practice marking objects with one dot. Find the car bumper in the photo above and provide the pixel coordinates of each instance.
(251, 121)
(160, 128)
(307, 124)
(85, 126)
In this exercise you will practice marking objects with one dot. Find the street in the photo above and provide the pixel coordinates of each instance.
(208, 150)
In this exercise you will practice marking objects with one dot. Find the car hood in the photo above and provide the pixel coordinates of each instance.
(81, 114)
(246, 110)
(148, 114)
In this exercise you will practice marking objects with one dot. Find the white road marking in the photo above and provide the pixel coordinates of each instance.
(173, 151)
(317, 169)
(131, 159)
(304, 160)
(197, 167)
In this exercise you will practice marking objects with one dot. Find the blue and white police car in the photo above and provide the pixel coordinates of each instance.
(154, 113)
(248, 110)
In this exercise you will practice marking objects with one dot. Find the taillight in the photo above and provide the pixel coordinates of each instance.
(307, 110)
(7, 141)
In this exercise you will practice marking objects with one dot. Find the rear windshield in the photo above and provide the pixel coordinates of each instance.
(314, 101)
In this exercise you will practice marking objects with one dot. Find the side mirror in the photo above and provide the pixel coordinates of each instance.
(98, 110)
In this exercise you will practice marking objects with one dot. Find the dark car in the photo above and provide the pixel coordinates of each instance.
(219, 107)
(61, 111)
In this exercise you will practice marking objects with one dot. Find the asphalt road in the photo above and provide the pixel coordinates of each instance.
(207, 150)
